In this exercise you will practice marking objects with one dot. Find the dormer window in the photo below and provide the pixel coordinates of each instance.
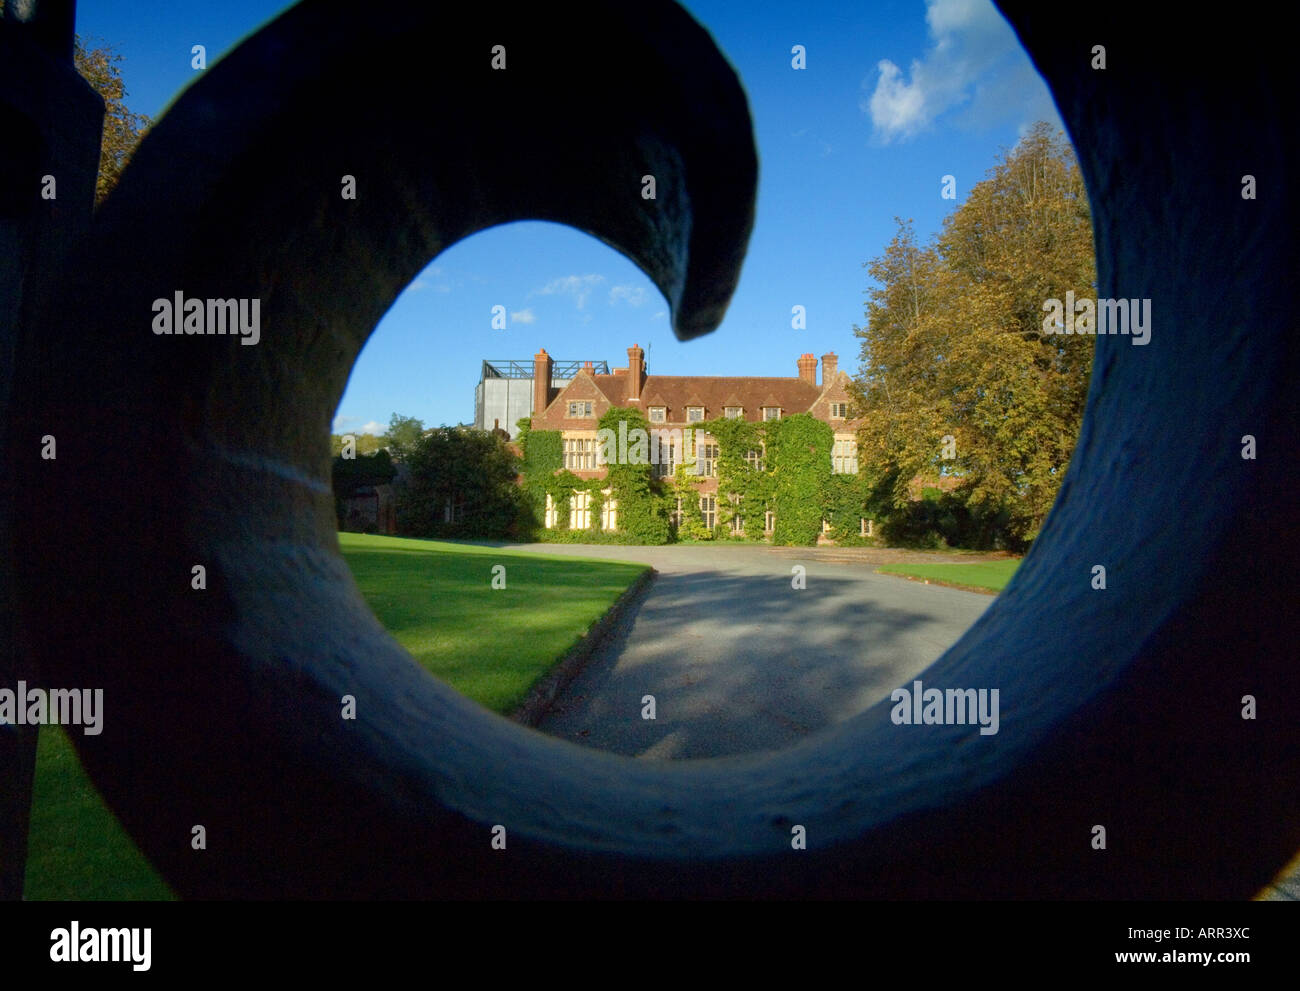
(658, 414)
(839, 411)
(771, 412)
(733, 412)
(580, 409)
(694, 414)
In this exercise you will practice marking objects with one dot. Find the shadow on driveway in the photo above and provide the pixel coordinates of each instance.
(739, 661)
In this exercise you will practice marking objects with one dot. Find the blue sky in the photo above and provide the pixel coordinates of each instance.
(896, 94)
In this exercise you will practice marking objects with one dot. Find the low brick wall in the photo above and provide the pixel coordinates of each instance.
(548, 687)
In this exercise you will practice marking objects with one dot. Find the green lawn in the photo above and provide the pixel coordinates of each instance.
(991, 575)
(438, 602)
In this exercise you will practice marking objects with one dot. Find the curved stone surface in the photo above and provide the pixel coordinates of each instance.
(222, 706)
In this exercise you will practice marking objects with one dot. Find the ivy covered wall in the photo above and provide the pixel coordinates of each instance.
(782, 466)
(642, 503)
(789, 474)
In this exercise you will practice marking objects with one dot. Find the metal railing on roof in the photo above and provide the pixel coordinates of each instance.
(510, 368)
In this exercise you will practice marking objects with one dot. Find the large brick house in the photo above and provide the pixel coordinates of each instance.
(673, 403)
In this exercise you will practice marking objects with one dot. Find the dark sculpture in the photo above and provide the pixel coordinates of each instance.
(222, 707)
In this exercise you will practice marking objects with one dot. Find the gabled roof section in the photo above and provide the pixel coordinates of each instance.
(836, 391)
(582, 388)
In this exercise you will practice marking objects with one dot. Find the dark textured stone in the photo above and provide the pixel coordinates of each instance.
(222, 707)
(49, 125)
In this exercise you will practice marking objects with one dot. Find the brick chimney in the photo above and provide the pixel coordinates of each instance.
(830, 364)
(541, 382)
(635, 371)
(808, 368)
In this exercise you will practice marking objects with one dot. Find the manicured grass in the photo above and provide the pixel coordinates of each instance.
(437, 601)
(990, 575)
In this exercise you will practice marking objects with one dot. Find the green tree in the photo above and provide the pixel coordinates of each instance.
(122, 128)
(363, 443)
(363, 471)
(403, 436)
(954, 345)
(459, 482)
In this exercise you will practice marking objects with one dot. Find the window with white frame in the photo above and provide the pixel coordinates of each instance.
(658, 414)
(552, 512)
(771, 412)
(580, 453)
(733, 412)
(706, 460)
(754, 458)
(580, 511)
(737, 521)
(667, 463)
(839, 411)
(867, 527)
(609, 512)
(709, 510)
(769, 521)
(694, 414)
(844, 458)
(676, 514)
(580, 409)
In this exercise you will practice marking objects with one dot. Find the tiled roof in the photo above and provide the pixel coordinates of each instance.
(714, 392)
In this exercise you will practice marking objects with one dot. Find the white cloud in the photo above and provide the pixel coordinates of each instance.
(577, 286)
(523, 316)
(974, 62)
(434, 277)
(632, 295)
(343, 425)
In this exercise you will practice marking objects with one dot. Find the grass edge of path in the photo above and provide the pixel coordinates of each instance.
(947, 574)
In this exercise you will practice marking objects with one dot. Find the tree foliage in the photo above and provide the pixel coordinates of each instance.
(352, 474)
(363, 443)
(403, 436)
(122, 128)
(458, 482)
(954, 345)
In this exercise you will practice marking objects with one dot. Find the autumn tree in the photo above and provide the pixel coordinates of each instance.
(122, 128)
(954, 346)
